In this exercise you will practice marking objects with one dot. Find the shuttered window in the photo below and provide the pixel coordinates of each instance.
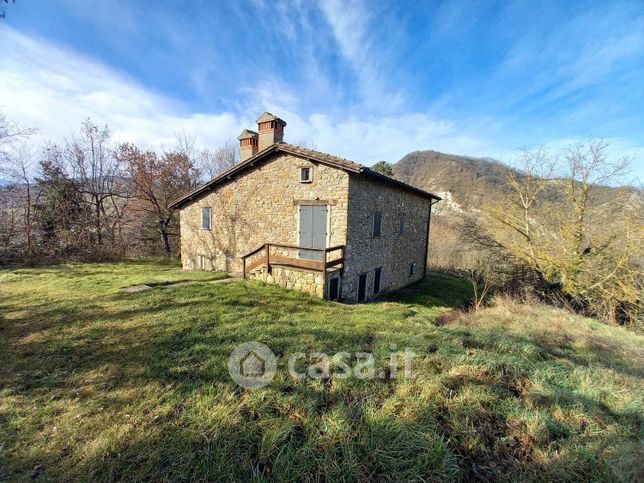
(205, 218)
(362, 287)
(376, 280)
(377, 224)
(401, 225)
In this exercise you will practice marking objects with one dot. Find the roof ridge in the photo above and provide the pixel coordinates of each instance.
(321, 153)
(336, 161)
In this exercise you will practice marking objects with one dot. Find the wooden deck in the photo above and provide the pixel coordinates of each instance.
(265, 256)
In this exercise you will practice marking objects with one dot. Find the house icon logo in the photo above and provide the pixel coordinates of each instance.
(252, 365)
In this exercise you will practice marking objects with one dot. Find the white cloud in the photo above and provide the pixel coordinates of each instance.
(388, 138)
(54, 90)
(350, 24)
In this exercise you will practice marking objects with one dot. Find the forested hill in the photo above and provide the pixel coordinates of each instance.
(462, 181)
(466, 182)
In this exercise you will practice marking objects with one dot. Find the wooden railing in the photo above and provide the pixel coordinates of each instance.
(271, 254)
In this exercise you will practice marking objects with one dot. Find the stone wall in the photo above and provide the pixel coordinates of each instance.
(294, 279)
(260, 205)
(392, 251)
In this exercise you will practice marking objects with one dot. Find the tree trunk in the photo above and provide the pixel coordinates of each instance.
(166, 242)
(28, 217)
(99, 236)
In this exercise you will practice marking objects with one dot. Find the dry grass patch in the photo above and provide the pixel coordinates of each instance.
(97, 384)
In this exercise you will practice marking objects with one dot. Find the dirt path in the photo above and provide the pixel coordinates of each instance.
(140, 288)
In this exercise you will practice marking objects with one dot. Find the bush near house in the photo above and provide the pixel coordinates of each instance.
(99, 384)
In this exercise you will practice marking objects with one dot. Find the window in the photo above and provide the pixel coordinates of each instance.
(205, 218)
(202, 262)
(412, 267)
(376, 231)
(334, 288)
(306, 175)
(362, 287)
(376, 280)
(401, 225)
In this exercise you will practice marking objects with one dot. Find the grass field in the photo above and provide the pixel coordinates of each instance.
(99, 384)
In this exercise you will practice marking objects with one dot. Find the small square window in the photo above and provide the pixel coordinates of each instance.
(412, 267)
(376, 231)
(205, 218)
(306, 175)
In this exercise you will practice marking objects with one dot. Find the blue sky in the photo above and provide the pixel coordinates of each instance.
(365, 80)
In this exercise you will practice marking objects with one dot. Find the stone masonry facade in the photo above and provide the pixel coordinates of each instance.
(295, 279)
(393, 251)
(260, 205)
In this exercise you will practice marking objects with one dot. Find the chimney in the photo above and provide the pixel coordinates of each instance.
(271, 130)
(247, 144)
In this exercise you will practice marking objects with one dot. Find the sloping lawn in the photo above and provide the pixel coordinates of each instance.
(99, 384)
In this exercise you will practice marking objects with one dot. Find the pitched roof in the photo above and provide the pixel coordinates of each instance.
(267, 116)
(317, 156)
(247, 133)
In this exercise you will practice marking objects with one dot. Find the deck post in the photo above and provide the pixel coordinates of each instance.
(326, 253)
(267, 247)
(244, 267)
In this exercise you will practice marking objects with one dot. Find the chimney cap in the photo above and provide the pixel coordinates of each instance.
(247, 133)
(267, 116)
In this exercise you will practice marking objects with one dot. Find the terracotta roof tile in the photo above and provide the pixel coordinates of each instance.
(247, 133)
(267, 116)
(311, 154)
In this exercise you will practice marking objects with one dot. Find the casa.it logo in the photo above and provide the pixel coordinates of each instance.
(252, 365)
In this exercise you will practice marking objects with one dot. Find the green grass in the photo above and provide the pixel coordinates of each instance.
(99, 384)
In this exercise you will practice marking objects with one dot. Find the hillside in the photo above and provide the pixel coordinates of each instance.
(465, 182)
(462, 181)
(97, 384)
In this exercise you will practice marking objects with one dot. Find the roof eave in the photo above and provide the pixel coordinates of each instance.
(226, 174)
(394, 181)
(284, 147)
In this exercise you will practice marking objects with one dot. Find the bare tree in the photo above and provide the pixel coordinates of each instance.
(213, 162)
(95, 172)
(185, 144)
(8, 218)
(17, 164)
(10, 132)
(305, 142)
(156, 183)
(19, 167)
(585, 243)
(518, 210)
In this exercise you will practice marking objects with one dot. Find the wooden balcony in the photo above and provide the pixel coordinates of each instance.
(315, 259)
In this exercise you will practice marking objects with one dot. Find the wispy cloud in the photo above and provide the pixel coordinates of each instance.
(367, 81)
(350, 22)
(55, 89)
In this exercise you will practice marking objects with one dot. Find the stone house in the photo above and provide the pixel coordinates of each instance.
(307, 221)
